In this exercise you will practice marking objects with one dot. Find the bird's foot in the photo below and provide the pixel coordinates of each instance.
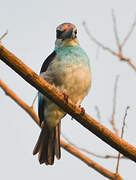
(82, 110)
(42, 124)
(65, 97)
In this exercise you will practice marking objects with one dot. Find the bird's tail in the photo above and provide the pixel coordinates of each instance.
(48, 145)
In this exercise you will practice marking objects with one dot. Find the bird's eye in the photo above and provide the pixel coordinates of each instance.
(75, 32)
(59, 33)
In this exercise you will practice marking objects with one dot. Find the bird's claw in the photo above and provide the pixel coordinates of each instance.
(42, 124)
(82, 110)
(65, 97)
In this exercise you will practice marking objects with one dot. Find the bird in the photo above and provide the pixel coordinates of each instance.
(68, 69)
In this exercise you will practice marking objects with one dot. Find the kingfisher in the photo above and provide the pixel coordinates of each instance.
(68, 69)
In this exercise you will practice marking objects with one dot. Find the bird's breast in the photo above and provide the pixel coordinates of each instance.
(72, 73)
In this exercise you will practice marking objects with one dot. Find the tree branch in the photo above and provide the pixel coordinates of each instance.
(52, 93)
(115, 29)
(129, 33)
(3, 35)
(19, 101)
(90, 162)
(98, 42)
(114, 107)
(98, 114)
(122, 133)
(66, 146)
(118, 54)
(89, 152)
(32, 106)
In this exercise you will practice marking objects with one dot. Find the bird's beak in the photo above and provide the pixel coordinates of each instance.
(67, 34)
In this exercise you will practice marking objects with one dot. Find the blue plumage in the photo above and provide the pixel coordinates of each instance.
(74, 54)
(39, 96)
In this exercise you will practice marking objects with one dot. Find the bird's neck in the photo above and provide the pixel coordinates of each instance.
(67, 42)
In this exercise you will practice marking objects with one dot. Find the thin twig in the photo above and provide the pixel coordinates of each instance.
(124, 121)
(98, 114)
(90, 162)
(32, 106)
(119, 54)
(115, 29)
(114, 106)
(19, 101)
(122, 133)
(131, 64)
(89, 152)
(129, 33)
(96, 41)
(3, 35)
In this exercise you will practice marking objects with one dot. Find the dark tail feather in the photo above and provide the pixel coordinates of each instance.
(48, 145)
(57, 141)
(44, 146)
(37, 146)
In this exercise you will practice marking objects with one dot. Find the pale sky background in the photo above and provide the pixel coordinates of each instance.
(31, 25)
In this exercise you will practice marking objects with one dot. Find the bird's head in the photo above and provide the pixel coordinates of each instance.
(66, 35)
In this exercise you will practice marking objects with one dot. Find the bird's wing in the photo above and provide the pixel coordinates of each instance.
(41, 101)
(46, 63)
